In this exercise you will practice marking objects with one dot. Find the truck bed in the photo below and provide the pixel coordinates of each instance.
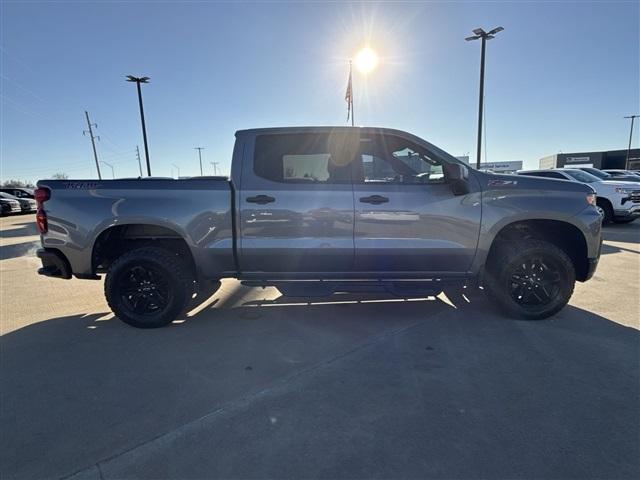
(197, 210)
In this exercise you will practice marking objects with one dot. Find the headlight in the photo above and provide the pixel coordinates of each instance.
(591, 198)
(624, 190)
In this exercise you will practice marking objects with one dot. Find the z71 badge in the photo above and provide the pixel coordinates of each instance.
(502, 183)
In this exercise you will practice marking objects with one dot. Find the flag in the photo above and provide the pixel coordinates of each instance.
(349, 96)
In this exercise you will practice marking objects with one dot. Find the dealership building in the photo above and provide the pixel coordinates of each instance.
(612, 159)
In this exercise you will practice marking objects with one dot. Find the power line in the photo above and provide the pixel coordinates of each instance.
(75, 166)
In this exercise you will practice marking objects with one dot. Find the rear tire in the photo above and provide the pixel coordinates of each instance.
(531, 280)
(148, 287)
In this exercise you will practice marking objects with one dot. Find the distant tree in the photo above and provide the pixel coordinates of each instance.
(17, 184)
(60, 176)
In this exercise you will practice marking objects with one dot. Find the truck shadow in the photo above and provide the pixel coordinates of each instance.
(23, 230)
(79, 389)
(16, 250)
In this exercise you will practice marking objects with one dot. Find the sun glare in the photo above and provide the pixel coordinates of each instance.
(366, 60)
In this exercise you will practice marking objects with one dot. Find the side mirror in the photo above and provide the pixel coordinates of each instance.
(457, 177)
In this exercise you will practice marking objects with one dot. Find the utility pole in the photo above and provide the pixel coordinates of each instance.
(215, 167)
(177, 167)
(93, 141)
(479, 33)
(632, 117)
(200, 157)
(138, 81)
(138, 157)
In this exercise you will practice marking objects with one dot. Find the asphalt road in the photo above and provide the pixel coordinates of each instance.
(254, 385)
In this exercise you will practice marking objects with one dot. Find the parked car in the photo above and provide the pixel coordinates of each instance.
(9, 205)
(323, 209)
(606, 176)
(19, 192)
(618, 201)
(27, 205)
(625, 175)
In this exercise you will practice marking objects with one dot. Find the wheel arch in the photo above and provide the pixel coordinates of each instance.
(563, 234)
(116, 240)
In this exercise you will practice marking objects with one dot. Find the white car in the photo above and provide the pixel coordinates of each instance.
(618, 201)
(622, 173)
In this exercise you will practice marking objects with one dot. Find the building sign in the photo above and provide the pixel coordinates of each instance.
(502, 166)
(574, 160)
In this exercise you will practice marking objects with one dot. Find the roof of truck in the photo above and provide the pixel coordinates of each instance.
(317, 128)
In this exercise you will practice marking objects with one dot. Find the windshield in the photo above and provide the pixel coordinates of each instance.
(6, 195)
(597, 173)
(581, 176)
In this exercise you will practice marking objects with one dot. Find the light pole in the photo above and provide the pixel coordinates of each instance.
(177, 167)
(632, 117)
(138, 81)
(200, 157)
(483, 36)
(113, 175)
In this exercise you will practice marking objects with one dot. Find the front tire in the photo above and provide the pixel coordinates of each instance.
(531, 279)
(606, 210)
(147, 287)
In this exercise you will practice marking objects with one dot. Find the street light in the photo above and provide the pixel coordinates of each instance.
(632, 117)
(113, 175)
(484, 36)
(177, 167)
(138, 81)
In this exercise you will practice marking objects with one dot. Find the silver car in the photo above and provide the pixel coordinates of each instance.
(25, 205)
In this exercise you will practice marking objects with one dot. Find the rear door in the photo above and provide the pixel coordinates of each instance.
(296, 204)
(406, 216)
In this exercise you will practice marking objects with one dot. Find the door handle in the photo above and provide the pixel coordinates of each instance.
(374, 199)
(261, 199)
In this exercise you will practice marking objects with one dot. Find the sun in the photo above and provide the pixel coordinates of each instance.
(366, 60)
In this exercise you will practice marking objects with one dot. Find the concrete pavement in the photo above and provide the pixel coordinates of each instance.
(254, 385)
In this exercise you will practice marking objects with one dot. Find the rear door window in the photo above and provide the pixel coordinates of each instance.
(302, 158)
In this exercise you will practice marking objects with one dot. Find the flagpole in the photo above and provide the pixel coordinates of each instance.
(351, 80)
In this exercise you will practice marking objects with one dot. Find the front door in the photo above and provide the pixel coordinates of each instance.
(296, 204)
(407, 219)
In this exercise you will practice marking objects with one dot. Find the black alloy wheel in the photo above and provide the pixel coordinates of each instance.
(535, 282)
(145, 290)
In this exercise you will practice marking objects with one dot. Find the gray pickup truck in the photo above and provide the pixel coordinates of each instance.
(316, 210)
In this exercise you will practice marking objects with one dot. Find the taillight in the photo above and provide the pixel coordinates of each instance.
(41, 221)
(591, 199)
(42, 194)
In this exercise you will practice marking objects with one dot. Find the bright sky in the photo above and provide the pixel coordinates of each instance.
(559, 78)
